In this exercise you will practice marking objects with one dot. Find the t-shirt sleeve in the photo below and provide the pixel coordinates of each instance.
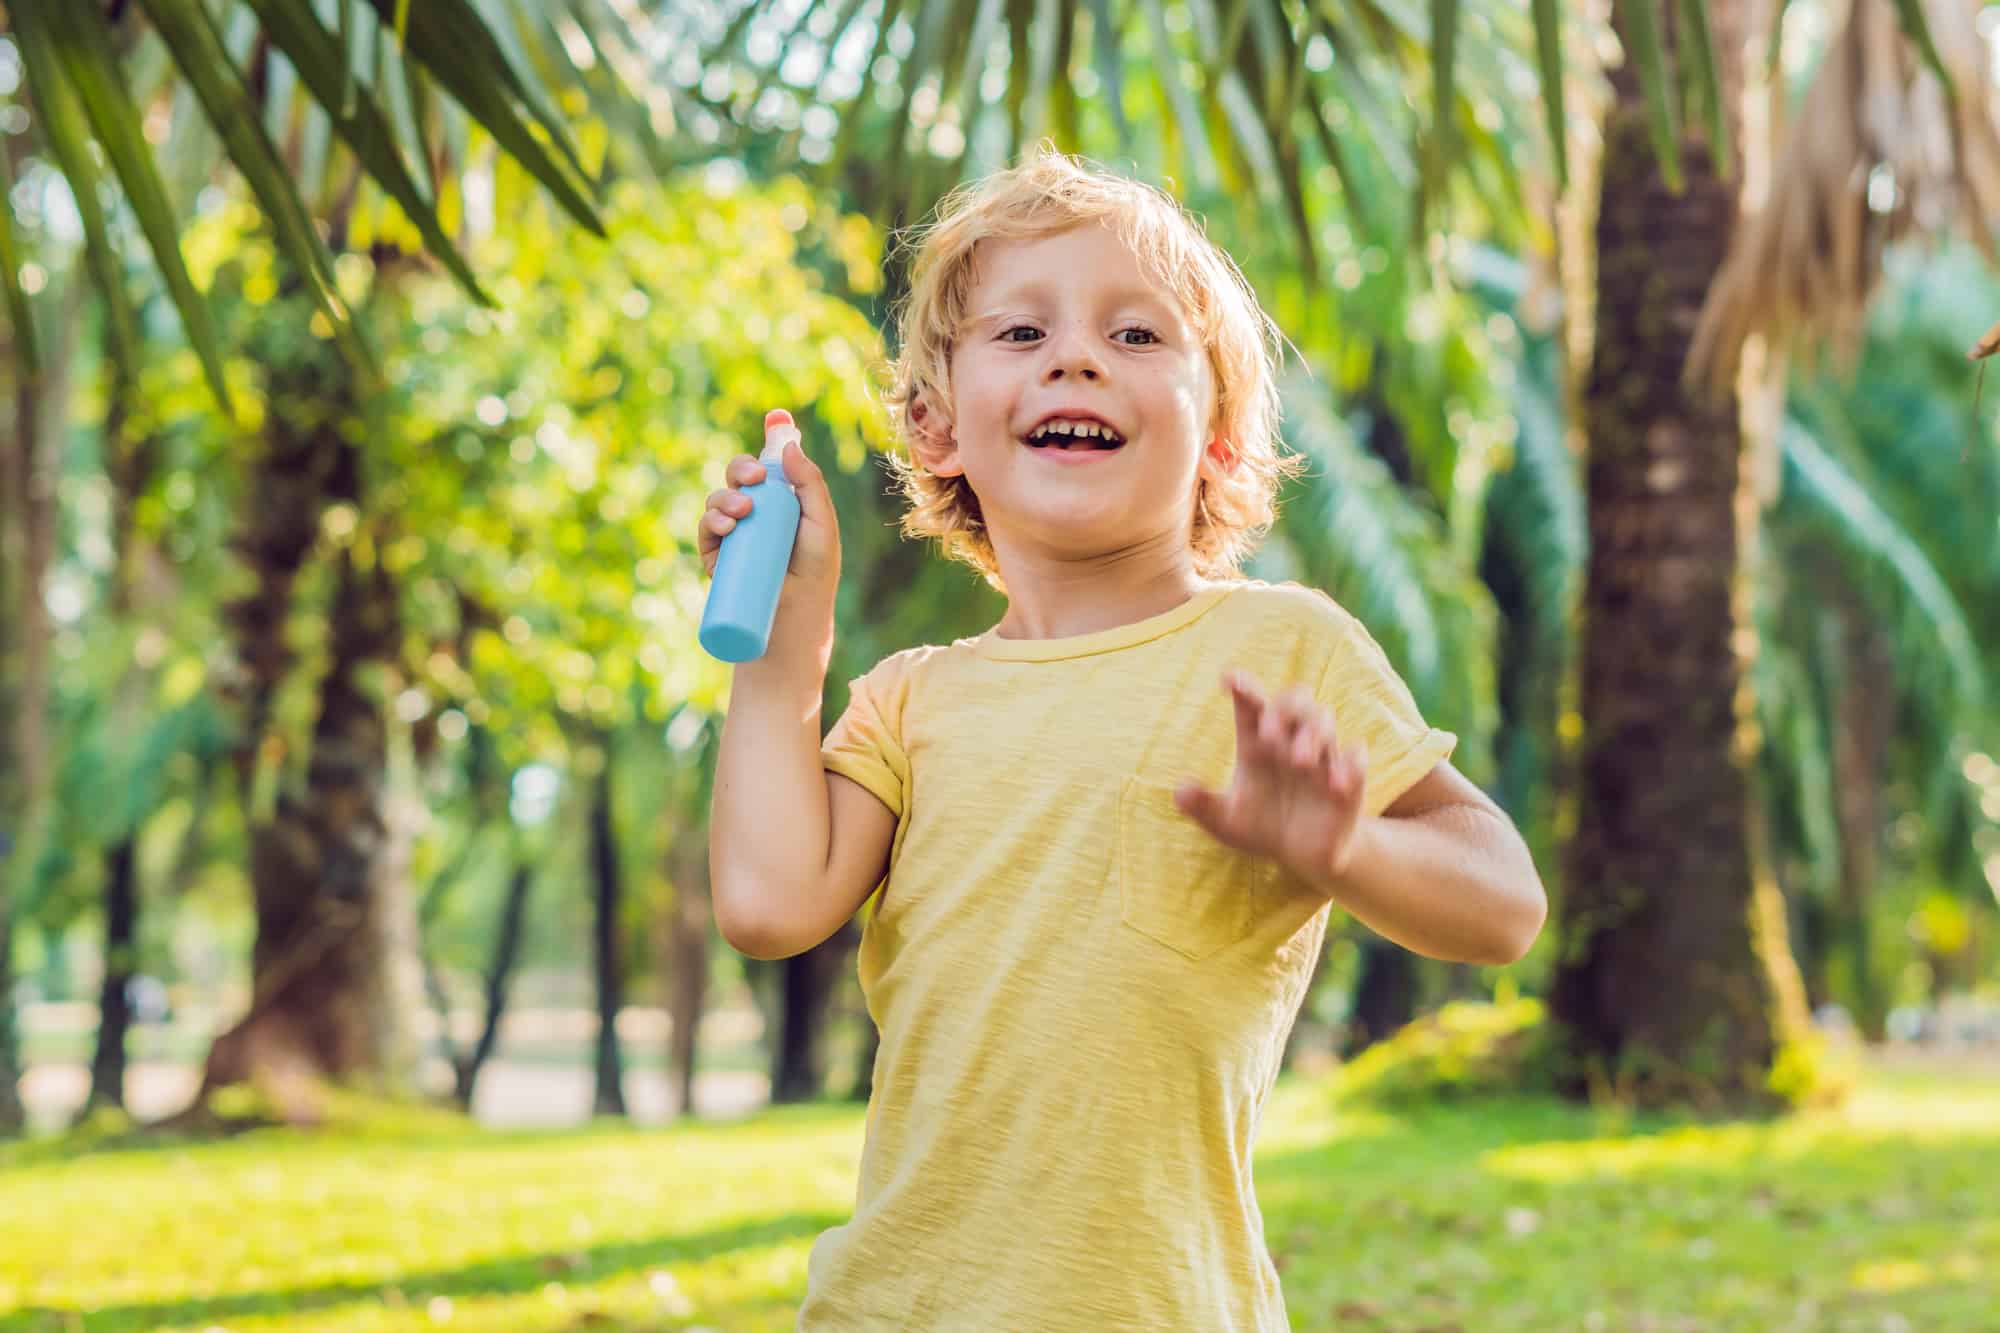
(865, 744)
(1373, 708)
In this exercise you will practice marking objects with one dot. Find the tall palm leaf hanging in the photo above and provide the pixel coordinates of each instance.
(108, 83)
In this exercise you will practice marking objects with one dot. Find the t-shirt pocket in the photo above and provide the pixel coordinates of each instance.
(1178, 885)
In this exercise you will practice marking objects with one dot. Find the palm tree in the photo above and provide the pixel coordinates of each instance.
(1667, 889)
(1872, 586)
(1663, 893)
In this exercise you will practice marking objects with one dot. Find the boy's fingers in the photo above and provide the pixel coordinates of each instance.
(1248, 710)
(1349, 771)
(744, 470)
(803, 473)
(1200, 804)
(1308, 747)
(734, 503)
(717, 522)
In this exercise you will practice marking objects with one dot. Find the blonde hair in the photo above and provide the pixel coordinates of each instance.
(1047, 193)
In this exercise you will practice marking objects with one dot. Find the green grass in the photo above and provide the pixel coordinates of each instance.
(1484, 1218)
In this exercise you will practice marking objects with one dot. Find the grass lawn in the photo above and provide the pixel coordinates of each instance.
(1882, 1216)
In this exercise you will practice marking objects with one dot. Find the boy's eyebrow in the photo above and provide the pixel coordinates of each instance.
(1034, 289)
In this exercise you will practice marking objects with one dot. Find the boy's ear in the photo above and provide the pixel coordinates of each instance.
(932, 442)
(1219, 459)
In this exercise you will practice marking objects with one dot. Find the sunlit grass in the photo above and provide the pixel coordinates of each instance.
(1518, 1215)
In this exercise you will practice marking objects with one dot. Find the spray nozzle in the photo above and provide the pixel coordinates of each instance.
(779, 431)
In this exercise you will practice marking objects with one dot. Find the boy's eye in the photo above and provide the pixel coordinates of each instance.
(1137, 337)
(1031, 332)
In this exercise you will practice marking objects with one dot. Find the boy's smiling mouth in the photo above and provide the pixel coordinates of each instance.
(1073, 435)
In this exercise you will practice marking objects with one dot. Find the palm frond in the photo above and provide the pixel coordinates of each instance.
(475, 53)
(1259, 97)
(1349, 529)
(1796, 760)
(1935, 648)
(1881, 147)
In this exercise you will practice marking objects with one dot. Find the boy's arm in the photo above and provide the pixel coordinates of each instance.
(793, 850)
(1444, 873)
(1441, 871)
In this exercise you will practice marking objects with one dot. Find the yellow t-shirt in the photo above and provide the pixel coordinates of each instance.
(1082, 996)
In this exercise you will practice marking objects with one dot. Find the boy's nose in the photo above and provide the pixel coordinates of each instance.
(1072, 357)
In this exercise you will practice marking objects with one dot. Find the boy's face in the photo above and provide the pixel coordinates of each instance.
(1069, 330)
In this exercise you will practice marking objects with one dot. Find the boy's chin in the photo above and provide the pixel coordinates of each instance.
(1088, 529)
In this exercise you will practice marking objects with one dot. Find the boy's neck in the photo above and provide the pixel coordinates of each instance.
(1050, 597)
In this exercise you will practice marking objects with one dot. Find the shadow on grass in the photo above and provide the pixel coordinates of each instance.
(511, 1275)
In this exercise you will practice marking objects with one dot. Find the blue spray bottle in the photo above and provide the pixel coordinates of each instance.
(750, 566)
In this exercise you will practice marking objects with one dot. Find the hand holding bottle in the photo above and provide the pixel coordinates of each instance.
(788, 554)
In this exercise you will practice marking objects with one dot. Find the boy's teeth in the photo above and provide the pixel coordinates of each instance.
(1078, 430)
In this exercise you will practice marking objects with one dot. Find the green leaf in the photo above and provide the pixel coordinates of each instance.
(485, 29)
(1186, 114)
(294, 30)
(851, 122)
(1643, 30)
(18, 312)
(1110, 68)
(73, 42)
(346, 103)
(1709, 82)
(1549, 55)
(1895, 575)
(1444, 93)
(190, 34)
(64, 129)
(462, 56)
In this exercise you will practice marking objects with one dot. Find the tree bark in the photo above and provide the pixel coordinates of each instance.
(121, 946)
(687, 959)
(335, 985)
(798, 1063)
(17, 765)
(1385, 994)
(326, 995)
(128, 464)
(1676, 983)
(609, 1098)
(27, 535)
(499, 979)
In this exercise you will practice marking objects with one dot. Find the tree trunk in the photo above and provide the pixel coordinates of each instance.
(499, 978)
(798, 1065)
(327, 996)
(1385, 994)
(27, 536)
(121, 946)
(17, 765)
(609, 1098)
(129, 465)
(687, 959)
(1675, 982)
(335, 984)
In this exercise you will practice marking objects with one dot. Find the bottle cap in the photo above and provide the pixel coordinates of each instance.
(779, 431)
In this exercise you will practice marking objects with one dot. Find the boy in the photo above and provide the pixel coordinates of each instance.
(1104, 881)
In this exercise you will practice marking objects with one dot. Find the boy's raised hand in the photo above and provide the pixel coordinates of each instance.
(816, 550)
(1295, 795)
